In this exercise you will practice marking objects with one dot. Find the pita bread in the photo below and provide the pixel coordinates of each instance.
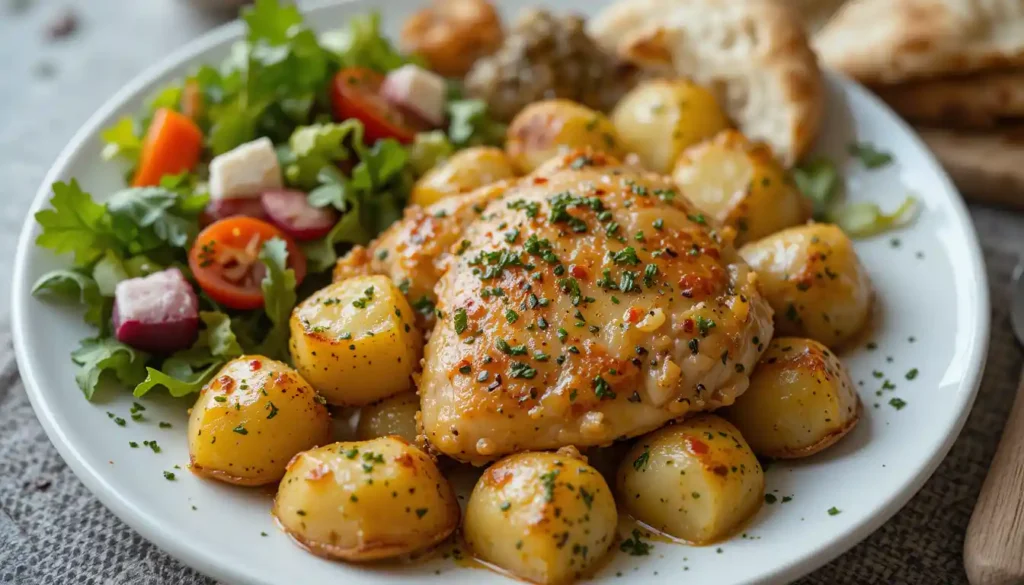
(985, 166)
(974, 101)
(753, 54)
(892, 41)
(814, 13)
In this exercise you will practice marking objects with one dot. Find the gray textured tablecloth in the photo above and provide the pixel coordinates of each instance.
(53, 532)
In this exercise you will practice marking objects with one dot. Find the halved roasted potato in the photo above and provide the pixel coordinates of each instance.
(814, 281)
(356, 340)
(392, 416)
(659, 118)
(800, 400)
(741, 184)
(545, 129)
(251, 419)
(366, 500)
(697, 480)
(544, 517)
(465, 171)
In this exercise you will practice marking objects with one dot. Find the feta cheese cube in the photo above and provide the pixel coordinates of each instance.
(417, 90)
(246, 171)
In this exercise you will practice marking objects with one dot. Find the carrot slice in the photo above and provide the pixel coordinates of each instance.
(172, 145)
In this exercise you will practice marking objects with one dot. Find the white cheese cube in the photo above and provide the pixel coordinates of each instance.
(246, 171)
(417, 90)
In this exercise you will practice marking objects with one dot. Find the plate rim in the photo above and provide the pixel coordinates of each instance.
(206, 561)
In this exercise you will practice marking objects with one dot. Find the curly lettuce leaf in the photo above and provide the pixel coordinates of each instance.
(102, 358)
(470, 124)
(122, 141)
(361, 44)
(77, 287)
(187, 371)
(76, 224)
(149, 217)
(279, 297)
(314, 147)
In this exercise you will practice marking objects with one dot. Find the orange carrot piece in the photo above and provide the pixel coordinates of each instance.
(172, 145)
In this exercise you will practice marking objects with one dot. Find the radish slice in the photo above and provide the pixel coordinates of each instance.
(223, 208)
(291, 211)
(158, 313)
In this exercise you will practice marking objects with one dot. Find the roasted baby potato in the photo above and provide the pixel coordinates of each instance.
(391, 416)
(544, 517)
(697, 480)
(465, 171)
(251, 419)
(740, 184)
(659, 118)
(799, 402)
(814, 282)
(356, 340)
(366, 500)
(452, 34)
(545, 129)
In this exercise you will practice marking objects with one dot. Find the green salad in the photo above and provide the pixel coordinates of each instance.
(316, 103)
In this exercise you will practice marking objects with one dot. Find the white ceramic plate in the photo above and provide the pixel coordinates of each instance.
(931, 287)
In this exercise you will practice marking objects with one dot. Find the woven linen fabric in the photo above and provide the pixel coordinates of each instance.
(53, 532)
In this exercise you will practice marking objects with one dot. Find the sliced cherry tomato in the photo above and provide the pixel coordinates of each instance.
(291, 211)
(225, 208)
(225, 260)
(355, 93)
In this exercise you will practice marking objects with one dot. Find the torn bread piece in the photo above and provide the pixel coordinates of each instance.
(754, 55)
(893, 41)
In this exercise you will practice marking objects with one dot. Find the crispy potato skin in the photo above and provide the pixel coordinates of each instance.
(740, 184)
(697, 480)
(467, 170)
(502, 382)
(800, 400)
(452, 34)
(814, 281)
(545, 129)
(328, 505)
(392, 416)
(548, 518)
(660, 118)
(356, 341)
(251, 419)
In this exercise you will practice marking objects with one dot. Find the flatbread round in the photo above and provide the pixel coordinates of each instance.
(754, 55)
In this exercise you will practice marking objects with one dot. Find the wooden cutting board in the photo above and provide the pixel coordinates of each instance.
(987, 167)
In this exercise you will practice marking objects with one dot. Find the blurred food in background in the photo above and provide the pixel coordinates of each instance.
(955, 69)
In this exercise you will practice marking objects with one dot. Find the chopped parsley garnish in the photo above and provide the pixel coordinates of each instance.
(504, 347)
(869, 156)
(361, 302)
(704, 325)
(627, 283)
(602, 389)
(461, 320)
(495, 263)
(897, 403)
(571, 287)
(532, 208)
(521, 370)
(650, 273)
(169, 475)
(626, 256)
(548, 481)
(511, 316)
(912, 374)
(240, 429)
(634, 546)
(833, 511)
(641, 462)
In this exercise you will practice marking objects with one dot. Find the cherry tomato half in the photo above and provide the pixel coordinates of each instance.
(225, 260)
(355, 93)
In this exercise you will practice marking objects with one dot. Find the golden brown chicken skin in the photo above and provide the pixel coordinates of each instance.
(587, 302)
(414, 249)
